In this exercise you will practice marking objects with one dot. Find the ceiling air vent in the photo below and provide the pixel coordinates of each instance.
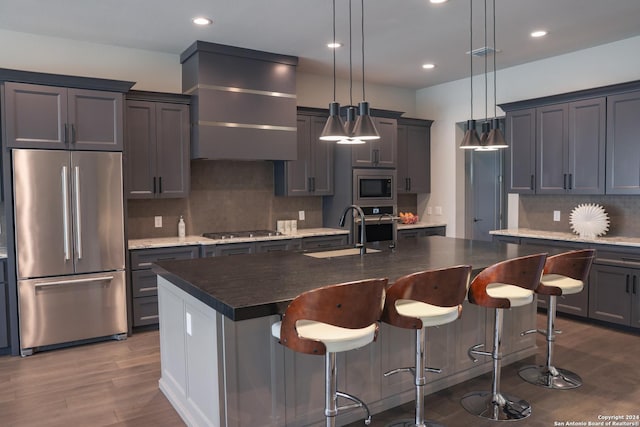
(483, 51)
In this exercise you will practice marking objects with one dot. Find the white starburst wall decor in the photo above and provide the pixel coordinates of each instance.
(589, 220)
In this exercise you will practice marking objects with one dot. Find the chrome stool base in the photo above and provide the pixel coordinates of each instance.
(412, 423)
(508, 408)
(555, 378)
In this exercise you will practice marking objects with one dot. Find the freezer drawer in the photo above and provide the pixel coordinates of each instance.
(70, 308)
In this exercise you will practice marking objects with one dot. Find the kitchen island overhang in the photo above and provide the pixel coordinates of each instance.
(221, 367)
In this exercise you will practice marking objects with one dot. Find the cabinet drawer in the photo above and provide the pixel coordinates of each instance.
(145, 311)
(144, 283)
(143, 258)
(277, 245)
(319, 242)
(235, 249)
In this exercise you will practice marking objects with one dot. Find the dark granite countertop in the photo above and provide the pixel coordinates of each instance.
(249, 286)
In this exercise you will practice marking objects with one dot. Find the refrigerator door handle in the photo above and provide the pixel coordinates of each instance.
(78, 216)
(73, 281)
(65, 213)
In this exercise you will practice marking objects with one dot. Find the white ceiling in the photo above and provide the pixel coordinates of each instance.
(400, 35)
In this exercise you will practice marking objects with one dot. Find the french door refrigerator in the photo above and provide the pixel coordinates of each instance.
(69, 230)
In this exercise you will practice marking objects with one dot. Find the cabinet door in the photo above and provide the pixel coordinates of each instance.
(623, 144)
(95, 120)
(172, 150)
(4, 318)
(521, 136)
(587, 124)
(141, 149)
(609, 293)
(635, 301)
(321, 159)
(402, 171)
(419, 159)
(386, 145)
(551, 145)
(298, 172)
(36, 116)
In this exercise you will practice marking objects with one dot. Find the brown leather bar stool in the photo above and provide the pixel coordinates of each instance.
(420, 300)
(329, 320)
(564, 274)
(504, 285)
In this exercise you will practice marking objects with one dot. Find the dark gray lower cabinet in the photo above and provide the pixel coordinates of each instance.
(614, 294)
(144, 287)
(244, 248)
(4, 310)
(412, 233)
(324, 242)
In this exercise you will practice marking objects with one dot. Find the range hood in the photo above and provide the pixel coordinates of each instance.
(243, 102)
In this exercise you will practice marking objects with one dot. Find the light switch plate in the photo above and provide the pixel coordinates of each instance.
(429, 210)
(158, 221)
(300, 215)
(438, 210)
(556, 215)
(188, 321)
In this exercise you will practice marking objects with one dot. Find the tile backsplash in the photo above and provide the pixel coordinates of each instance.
(225, 196)
(536, 212)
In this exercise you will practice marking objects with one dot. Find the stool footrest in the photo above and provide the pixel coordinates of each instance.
(474, 350)
(357, 404)
(398, 370)
(433, 370)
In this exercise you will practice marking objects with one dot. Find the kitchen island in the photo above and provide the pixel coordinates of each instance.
(222, 367)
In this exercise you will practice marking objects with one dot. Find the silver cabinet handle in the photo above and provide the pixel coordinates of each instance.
(73, 281)
(150, 288)
(65, 212)
(76, 193)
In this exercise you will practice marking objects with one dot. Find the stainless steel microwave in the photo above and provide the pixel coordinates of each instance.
(374, 186)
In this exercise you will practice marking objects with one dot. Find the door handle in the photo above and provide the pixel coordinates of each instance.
(564, 181)
(570, 181)
(477, 219)
(627, 284)
(532, 183)
(73, 281)
(78, 216)
(66, 133)
(65, 212)
(154, 185)
(73, 133)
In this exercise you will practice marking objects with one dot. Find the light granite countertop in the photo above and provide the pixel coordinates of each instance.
(421, 225)
(569, 237)
(160, 242)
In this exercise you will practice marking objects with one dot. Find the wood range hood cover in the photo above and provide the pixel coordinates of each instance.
(244, 102)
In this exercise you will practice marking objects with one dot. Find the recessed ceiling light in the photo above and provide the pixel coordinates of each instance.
(428, 66)
(201, 20)
(438, 1)
(334, 45)
(539, 33)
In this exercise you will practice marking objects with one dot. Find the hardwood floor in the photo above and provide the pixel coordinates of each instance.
(116, 384)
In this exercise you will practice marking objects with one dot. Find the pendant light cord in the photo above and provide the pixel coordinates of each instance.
(350, 61)
(495, 71)
(486, 92)
(334, 50)
(362, 27)
(470, 52)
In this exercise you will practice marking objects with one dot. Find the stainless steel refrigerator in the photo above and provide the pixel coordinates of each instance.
(69, 230)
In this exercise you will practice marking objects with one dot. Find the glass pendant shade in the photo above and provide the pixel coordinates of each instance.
(364, 128)
(471, 141)
(349, 125)
(334, 128)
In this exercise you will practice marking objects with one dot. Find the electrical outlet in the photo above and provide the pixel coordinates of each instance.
(556, 215)
(158, 221)
(300, 215)
(429, 210)
(188, 322)
(438, 210)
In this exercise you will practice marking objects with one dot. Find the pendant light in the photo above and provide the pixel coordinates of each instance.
(334, 128)
(364, 129)
(495, 138)
(485, 125)
(471, 141)
(351, 110)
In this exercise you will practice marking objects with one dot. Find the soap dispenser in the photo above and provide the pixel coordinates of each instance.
(181, 227)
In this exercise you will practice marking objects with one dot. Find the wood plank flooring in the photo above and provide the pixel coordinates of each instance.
(116, 384)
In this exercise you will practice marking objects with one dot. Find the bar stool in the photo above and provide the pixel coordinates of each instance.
(329, 320)
(564, 274)
(504, 285)
(420, 300)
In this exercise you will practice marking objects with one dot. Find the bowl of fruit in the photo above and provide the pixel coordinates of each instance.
(408, 218)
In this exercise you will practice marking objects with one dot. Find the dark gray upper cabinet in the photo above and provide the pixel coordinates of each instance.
(382, 152)
(51, 117)
(312, 173)
(414, 157)
(521, 158)
(623, 144)
(157, 149)
(570, 147)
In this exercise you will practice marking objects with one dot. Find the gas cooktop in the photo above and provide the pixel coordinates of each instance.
(241, 234)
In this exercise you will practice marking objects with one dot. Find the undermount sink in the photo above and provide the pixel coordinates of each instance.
(339, 252)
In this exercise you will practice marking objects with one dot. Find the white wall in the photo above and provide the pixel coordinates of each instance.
(449, 103)
(157, 71)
